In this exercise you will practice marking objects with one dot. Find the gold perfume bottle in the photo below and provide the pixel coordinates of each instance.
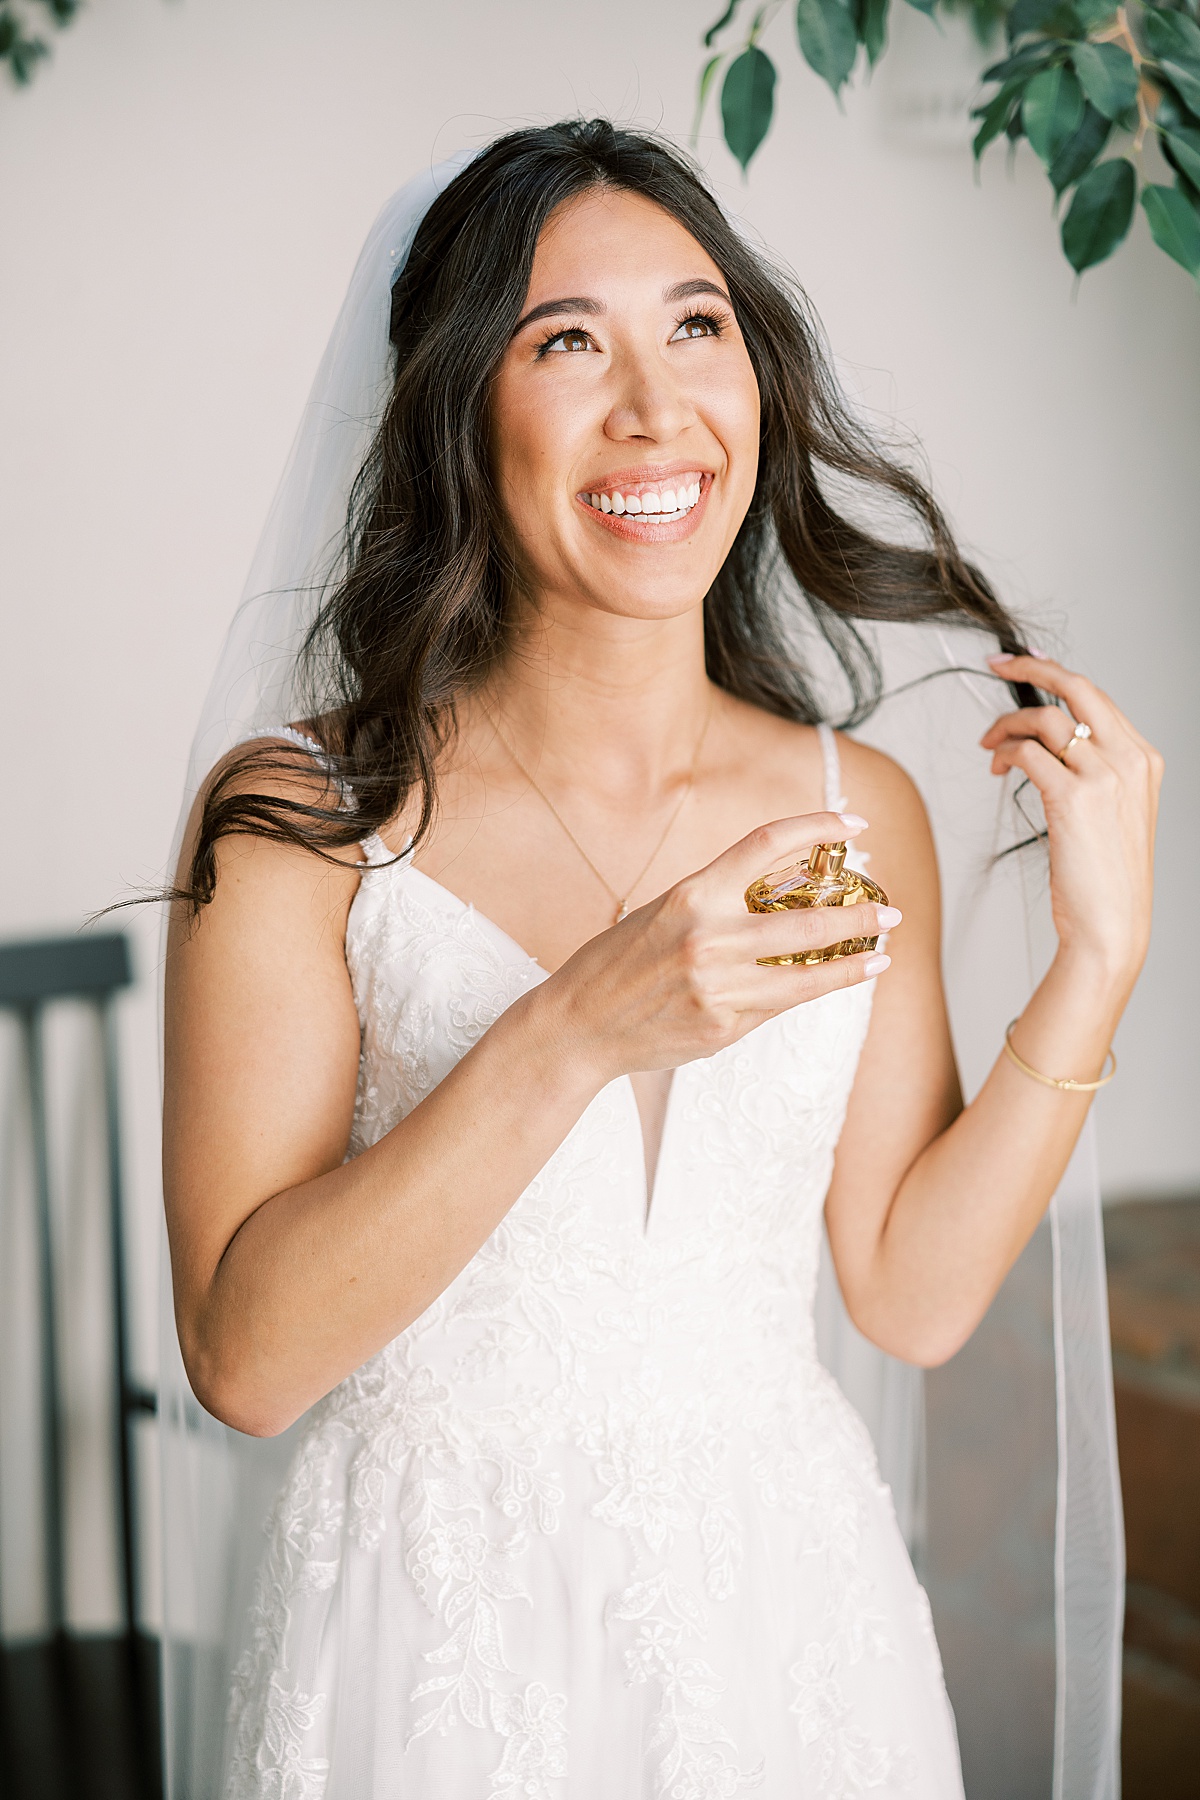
(824, 881)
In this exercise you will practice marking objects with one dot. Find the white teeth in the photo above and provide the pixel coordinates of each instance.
(671, 503)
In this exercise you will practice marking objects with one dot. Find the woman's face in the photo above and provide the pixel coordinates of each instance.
(625, 414)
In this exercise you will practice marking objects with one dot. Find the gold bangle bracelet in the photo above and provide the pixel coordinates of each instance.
(1067, 1087)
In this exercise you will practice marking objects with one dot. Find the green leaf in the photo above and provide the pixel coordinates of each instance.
(828, 40)
(925, 6)
(1107, 76)
(1080, 150)
(1094, 13)
(1182, 148)
(1174, 225)
(870, 18)
(1052, 110)
(1172, 36)
(1173, 115)
(702, 90)
(1174, 41)
(1025, 61)
(1186, 85)
(1054, 18)
(1099, 214)
(714, 31)
(747, 102)
(1028, 15)
(995, 116)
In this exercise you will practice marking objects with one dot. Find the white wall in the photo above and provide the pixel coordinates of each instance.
(185, 189)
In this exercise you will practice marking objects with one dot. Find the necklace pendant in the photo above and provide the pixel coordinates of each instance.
(622, 913)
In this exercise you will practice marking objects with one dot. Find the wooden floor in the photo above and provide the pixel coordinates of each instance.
(1154, 1299)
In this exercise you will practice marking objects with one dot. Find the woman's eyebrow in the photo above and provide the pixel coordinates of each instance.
(578, 303)
(687, 290)
(583, 303)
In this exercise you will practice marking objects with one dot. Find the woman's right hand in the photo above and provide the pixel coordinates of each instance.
(680, 977)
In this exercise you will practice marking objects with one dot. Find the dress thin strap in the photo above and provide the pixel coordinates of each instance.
(372, 846)
(317, 751)
(293, 737)
(835, 800)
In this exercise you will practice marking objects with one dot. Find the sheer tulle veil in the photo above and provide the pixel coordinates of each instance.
(1002, 1464)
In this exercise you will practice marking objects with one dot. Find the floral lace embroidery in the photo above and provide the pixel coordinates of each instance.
(533, 1727)
(848, 1762)
(659, 1462)
(698, 1756)
(270, 1720)
(577, 1347)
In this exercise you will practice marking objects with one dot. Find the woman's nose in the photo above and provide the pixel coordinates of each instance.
(648, 401)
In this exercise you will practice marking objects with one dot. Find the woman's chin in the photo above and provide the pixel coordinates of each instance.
(649, 606)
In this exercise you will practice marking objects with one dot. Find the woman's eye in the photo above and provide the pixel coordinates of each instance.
(697, 327)
(568, 340)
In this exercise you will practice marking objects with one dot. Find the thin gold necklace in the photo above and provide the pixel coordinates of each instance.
(621, 900)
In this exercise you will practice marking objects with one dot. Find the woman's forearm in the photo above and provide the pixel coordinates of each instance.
(322, 1275)
(972, 1199)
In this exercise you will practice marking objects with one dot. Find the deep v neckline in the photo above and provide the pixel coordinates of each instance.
(651, 1177)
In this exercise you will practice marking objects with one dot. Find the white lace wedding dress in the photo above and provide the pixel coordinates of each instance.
(598, 1526)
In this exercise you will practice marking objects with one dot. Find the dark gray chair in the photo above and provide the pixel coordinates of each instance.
(93, 969)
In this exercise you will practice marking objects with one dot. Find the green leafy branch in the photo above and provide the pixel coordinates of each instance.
(1079, 75)
(20, 46)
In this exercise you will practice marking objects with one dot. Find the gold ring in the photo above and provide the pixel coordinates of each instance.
(1080, 732)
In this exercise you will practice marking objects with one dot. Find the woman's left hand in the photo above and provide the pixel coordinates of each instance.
(1100, 795)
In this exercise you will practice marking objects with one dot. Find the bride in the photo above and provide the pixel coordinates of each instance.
(496, 1153)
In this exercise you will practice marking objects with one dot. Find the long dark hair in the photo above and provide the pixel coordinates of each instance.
(420, 611)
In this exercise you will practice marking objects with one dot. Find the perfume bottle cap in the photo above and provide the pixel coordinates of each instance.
(826, 859)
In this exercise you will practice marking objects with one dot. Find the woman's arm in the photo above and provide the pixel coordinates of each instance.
(291, 1267)
(931, 1204)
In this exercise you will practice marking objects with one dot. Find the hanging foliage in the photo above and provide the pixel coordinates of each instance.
(1084, 81)
(20, 45)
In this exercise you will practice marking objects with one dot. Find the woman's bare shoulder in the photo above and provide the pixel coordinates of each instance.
(790, 763)
(789, 750)
(250, 867)
(877, 780)
(291, 762)
(898, 834)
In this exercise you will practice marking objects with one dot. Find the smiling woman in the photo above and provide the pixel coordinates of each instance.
(424, 606)
(513, 1211)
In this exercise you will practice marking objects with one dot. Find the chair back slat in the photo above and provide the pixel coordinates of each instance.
(90, 968)
(66, 968)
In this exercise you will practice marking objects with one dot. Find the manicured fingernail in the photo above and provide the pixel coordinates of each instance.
(875, 965)
(853, 821)
(888, 916)
(1001, 656)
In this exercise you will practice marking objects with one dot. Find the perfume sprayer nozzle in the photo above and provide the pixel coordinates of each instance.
(826, 859)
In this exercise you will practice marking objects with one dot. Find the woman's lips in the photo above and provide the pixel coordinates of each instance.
(647, 528)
